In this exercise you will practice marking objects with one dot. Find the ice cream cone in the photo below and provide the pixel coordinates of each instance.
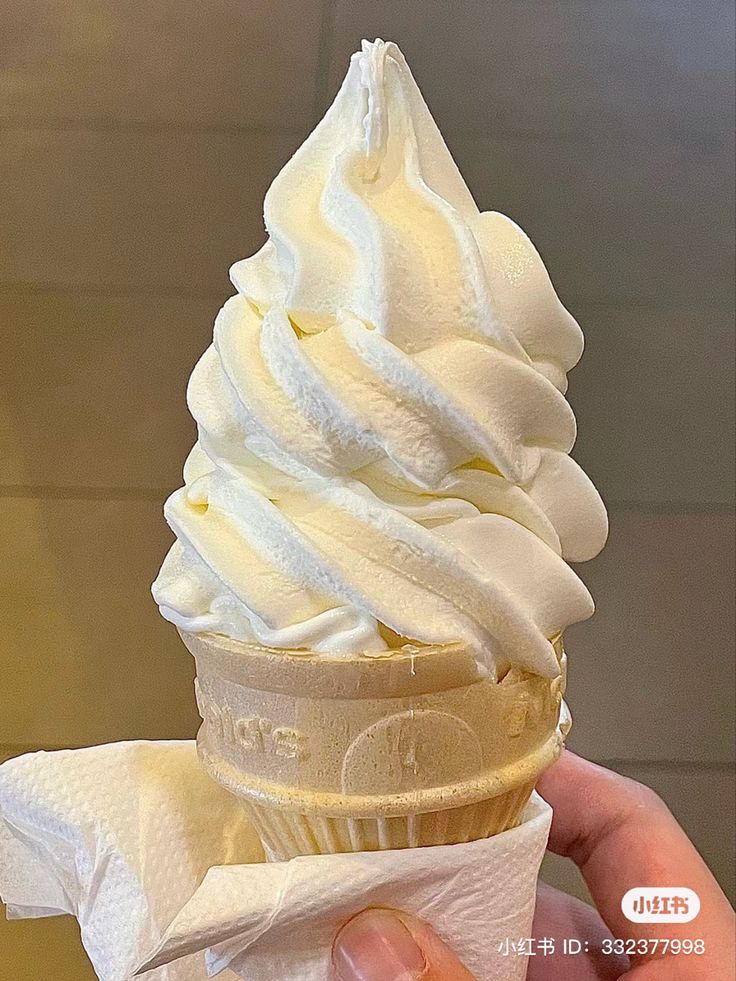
(406, 748)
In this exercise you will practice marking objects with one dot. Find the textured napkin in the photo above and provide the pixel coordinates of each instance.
(165, 875)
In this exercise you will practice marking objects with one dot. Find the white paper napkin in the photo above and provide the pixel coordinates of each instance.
(159, 865)
(120, 836)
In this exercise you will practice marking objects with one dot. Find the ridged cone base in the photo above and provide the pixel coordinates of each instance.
(408, 749)
(286, 834)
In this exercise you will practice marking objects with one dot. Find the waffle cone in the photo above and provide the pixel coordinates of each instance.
(361, 753)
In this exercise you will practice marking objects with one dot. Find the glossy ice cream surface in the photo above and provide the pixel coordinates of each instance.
(383, 451)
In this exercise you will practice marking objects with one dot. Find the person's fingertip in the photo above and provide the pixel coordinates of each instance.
(566, 762)
(390, 945)
(442, 962)
(600, 789)
(377, 946)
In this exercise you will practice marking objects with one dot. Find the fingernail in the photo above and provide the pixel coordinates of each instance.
(376, 946)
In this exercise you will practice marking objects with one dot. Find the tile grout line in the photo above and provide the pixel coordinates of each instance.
(622, 303)
(113, 493)
(669, 507)
(319, 107)
(84, 289)
(50, 493)
(666, 766)
(149, 128)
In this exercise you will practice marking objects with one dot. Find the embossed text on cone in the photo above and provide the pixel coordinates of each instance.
(409, 748)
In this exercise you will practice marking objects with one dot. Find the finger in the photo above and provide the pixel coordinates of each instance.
(385, 945)
(564, 919)
(621, 836)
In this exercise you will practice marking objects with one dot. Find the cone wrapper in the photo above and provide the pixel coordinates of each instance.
(166, 876)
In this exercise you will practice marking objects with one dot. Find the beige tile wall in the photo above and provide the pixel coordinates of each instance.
(138, 140)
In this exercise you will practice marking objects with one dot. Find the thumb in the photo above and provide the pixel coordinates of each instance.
(385, 945)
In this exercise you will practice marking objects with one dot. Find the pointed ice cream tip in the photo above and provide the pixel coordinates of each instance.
(372, 65)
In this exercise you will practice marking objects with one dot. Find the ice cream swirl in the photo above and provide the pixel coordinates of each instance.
(383, 435)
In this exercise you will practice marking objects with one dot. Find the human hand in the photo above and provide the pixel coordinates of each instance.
(620, 835)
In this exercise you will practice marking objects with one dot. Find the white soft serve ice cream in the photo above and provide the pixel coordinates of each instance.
(383, 437)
